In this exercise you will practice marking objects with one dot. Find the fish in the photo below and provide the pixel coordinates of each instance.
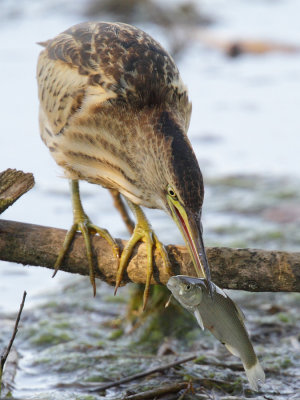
(222, 317)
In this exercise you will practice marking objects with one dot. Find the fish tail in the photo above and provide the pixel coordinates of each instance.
(255, 375)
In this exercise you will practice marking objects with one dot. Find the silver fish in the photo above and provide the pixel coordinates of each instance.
(222, 317)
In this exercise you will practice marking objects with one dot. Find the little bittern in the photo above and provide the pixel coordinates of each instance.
(115, 112)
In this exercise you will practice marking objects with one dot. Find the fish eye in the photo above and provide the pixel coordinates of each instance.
(171, 192)
(188, 287)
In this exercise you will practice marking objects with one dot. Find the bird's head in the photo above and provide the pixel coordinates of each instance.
(184, 191)
(188, 218)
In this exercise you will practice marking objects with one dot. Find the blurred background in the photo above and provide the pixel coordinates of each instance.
(241, 63)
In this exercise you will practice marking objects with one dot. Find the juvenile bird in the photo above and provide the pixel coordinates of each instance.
(115, 112)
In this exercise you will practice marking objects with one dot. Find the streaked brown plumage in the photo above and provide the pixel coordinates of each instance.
(115, 112)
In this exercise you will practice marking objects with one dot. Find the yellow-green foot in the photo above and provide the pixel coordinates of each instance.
(142, 232)
(82, 223)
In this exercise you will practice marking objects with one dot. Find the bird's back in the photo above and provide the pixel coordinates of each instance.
(117, 61)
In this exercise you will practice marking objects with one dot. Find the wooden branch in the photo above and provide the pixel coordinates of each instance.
(245, 269)
(13, 184)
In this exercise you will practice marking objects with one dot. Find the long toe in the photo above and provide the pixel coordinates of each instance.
(142, 233)
(86, 228)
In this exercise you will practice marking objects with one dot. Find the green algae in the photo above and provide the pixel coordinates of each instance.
(115, 299)
(284, 317)
(50, 338)
(116, 334)
(286, 363)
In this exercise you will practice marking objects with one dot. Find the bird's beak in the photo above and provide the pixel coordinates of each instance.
(190, 227)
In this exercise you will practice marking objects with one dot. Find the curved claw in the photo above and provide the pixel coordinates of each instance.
(126, 253)
(107, 236)
(85, 227)
(164, 254)
(150, 242)
(67, 242)
(142, 232)
(83, 224)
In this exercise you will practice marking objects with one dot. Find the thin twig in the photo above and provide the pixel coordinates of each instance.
(154, 393)
(189, 388)
(143, 374)
(5, 354)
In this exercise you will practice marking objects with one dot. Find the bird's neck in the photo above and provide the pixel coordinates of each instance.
(129, 150)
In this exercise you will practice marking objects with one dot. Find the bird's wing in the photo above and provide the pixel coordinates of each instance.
(64, 88)
(61, 91)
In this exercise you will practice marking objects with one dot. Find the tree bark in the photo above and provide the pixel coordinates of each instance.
(13, 184)
(245, 269)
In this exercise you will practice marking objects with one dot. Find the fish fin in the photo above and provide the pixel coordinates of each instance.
(169, 301)
(240, 313)
(220, 291)
(199, 318)
(232, 350)
(255, 375)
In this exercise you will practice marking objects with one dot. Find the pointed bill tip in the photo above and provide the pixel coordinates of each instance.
(197, 250)
(210, 289)
(190, 226)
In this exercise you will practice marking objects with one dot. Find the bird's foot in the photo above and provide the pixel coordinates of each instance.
(142, 232)
(83, 224)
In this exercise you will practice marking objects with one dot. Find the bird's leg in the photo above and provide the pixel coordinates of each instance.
(142, 232)
(120, 206)
(81, 222)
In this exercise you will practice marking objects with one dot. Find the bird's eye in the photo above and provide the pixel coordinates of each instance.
(171, 192)
(187, 287)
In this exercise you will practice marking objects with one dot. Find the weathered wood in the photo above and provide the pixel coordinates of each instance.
(245, 269)
(13, 184)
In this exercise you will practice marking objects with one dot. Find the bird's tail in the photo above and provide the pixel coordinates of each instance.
(255, 375)
(43, 44)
